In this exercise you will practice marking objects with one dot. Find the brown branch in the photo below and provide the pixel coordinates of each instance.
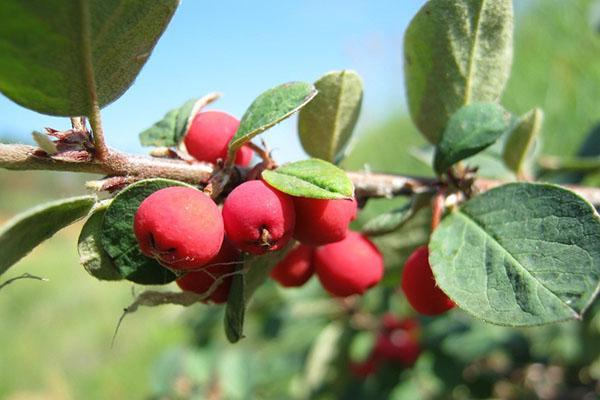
(367, 185)
(22, 157)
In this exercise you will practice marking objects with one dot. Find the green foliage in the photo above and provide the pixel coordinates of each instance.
(519, 255)
(456, 53)
(255, 272)
(170, 130)
(89, 246)
(395, 219)
(311, 178)
(270, 108)
(236, 308)
(521, 140)
(119, 241)
(88, 51)
(557, 68)
(470, 130)
(25, 231)
(326, 124)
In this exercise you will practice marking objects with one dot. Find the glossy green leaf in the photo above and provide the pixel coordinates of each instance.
(235, 312)
(170, 130)
(325, 125)
(91, 254)
(25, 231)
(456, 53)
(521, 140)
(270, 108)
(312, 178)
(522, 254)
(59, 57)
(395, 219)
(470, 130)
(118, 239)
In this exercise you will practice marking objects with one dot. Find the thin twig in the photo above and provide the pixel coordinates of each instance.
(24, 276)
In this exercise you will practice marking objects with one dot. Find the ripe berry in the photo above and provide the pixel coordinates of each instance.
(244, 156)
(296, 268)
(320, 222)
(208, 137)
(179, 226)
(398, 341)
(201, 281)
(350, 266)
(420, 287)
(364, 369)
(258, 218)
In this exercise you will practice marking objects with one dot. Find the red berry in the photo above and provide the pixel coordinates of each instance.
(201, 281)
(365, 368)
(244, 156)
(320, 222)
(420, 287)
(179, 226)
(208, 137)
(296, 268)
(258, 218)
(350, 266)
(398, 346)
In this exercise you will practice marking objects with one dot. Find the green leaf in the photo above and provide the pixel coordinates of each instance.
(91, 254)
(25, 231)
(325, 125)
(270, 108)
(118, 239)
(455, 53)
(235, 312)
(470, 130)
(170, 130)
(256, 271)
(395, 219)
(521, 139)
(522, 254)
(312, 178)
(59, 57)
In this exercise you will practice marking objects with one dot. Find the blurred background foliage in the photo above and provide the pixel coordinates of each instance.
(56, 335)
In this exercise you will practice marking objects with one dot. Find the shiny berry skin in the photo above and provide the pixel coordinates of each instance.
(420, 287)
(180, 227)
(320, 222)
(350, 266)
(296, 268)
(258, 218)
(201, 281)
(208, 137)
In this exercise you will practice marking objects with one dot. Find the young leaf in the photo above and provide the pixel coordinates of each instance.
(119, 241)
(521, 139)
(470, 130)
(522, 254)
(326, 123)
(91, 254)
(59, 57)
(256, 271)
(455, 53)
(312, 178)
(235, 312)
(270, 108)
(25, 231)
(169, 131)
(395, 219)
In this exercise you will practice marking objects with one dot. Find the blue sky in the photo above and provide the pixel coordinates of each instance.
(241, 48)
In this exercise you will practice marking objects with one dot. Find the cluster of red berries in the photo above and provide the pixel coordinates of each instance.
(397, 343)
(184, 229)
